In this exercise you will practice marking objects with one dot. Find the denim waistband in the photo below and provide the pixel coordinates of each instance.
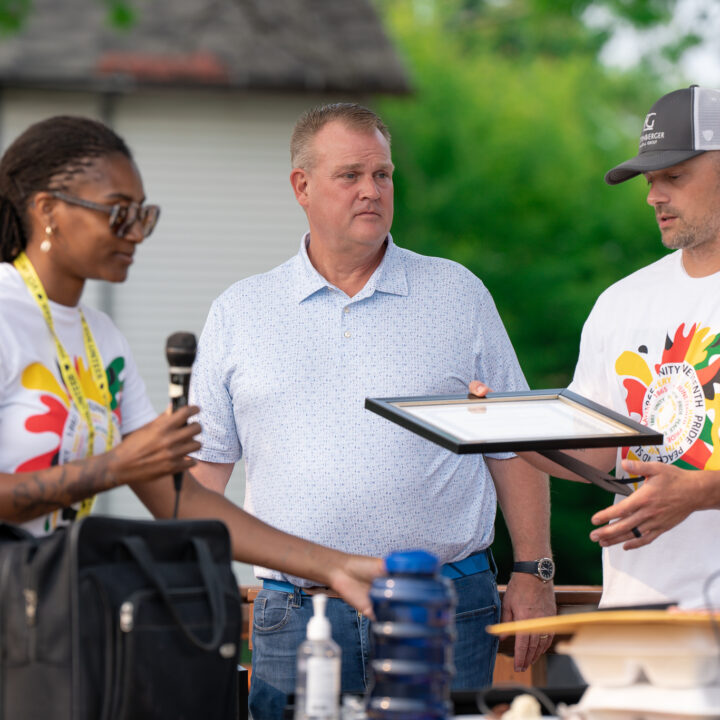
(476, 563)
(472, 564)
(281, 586)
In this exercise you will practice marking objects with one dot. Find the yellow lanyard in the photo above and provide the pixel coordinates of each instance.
(72, 382)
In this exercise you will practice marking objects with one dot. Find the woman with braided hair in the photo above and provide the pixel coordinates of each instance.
(75, 419)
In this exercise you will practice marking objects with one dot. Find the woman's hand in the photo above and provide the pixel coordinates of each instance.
(353, 579)
(157, 449)
(160, 448)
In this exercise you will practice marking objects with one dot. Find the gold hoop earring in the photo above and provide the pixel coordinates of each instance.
(46, 244)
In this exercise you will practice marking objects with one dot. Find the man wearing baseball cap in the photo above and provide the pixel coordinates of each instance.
(650, 349)
(680, 125)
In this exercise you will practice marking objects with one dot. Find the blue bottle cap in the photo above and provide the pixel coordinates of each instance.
(412, 561)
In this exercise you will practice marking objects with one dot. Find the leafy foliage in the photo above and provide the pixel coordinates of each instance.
(500, 155)
(121, 14)
(15, 13)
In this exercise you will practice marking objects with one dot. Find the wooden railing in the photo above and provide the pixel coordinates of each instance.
(569, 599)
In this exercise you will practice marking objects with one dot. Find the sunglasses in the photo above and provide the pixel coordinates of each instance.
(122, 216)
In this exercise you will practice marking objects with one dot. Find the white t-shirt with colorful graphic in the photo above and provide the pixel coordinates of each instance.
(39, 425)
(651, 350)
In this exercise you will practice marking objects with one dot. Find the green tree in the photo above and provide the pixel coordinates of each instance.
(500, 155)
(15, 13)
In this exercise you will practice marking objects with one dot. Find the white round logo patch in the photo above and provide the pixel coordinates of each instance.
(674, 405)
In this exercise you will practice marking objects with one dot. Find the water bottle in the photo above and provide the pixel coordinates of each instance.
(412, 640)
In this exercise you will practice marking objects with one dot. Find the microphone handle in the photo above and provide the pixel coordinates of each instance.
(179, 386)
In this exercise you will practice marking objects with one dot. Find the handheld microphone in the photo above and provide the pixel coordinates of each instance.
(180, 350)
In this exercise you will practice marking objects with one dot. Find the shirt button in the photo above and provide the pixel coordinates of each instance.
(347, 333)
(347, 309)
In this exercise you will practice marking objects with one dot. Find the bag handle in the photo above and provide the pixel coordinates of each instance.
(12, 533)
(213, 587)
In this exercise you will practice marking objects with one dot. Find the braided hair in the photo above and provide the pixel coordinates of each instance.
(47, 156)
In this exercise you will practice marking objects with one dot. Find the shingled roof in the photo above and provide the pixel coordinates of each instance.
(282, 45)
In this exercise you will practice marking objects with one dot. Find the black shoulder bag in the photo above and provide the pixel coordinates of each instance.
(115, 619)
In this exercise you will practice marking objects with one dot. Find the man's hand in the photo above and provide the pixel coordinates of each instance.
(353, 579)
(478, 388)
(523, 497)
(528, 597)
(668, 495)
(157, 449)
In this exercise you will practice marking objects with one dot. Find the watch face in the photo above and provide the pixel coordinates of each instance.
(546, 569)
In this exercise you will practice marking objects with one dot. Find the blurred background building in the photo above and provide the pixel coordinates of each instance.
(517, 110)
(206, 95)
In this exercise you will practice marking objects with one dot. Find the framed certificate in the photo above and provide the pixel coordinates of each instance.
(516, 421)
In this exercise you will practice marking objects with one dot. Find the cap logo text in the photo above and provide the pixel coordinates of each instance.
(649, 122)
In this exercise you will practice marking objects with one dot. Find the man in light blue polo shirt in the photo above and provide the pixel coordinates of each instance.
(284, 365)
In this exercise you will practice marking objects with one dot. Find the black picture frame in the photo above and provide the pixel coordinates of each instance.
(620, 429)
(596, 426)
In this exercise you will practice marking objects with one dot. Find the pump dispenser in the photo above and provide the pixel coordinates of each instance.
(317, 687)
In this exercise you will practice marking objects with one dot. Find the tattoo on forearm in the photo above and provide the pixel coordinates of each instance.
(47, 490)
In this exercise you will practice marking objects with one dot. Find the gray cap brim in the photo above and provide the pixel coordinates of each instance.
(646, 162)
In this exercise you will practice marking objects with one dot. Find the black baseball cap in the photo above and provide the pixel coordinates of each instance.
(679, 126)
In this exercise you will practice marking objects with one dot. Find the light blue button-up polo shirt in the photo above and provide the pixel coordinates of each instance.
(284, 365)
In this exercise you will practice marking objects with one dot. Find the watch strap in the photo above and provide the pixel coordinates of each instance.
(542, 568)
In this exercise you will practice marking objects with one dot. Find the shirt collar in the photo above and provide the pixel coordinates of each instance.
(388, 277)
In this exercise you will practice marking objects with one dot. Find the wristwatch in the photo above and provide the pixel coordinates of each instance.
(544, 568)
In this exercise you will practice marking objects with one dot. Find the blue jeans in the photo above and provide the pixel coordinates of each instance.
(279, 626)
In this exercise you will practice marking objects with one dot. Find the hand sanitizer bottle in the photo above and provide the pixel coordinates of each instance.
(317, 688)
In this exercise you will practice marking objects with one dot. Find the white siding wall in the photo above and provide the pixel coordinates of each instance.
(218, 164)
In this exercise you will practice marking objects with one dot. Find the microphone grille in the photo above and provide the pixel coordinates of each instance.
(180, 349)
